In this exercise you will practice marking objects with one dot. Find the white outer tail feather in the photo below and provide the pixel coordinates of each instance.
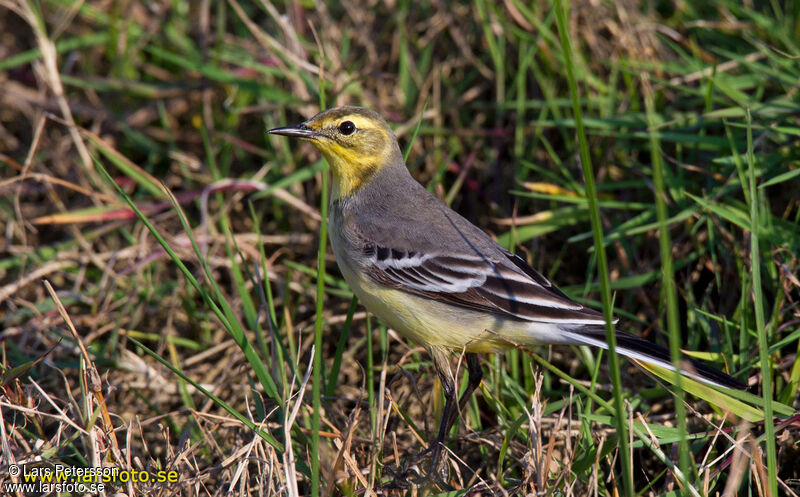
(640, 356)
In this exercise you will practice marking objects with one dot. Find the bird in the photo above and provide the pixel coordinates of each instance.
(436, 278)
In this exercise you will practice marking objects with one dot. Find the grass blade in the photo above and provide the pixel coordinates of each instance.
(602, 263)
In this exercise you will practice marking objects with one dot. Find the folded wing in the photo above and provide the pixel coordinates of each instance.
(508, 287)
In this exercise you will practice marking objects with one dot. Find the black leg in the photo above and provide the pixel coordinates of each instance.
(441, 361)
(475, 376)
(451, 406)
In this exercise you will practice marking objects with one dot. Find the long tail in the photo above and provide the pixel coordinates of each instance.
(642, 350)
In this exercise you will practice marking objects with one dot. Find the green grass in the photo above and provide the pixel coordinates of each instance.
(646, 161)
(619, 412)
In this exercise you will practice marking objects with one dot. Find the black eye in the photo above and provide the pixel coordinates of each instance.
(347, 128)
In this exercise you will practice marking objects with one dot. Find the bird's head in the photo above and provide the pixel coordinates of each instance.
(356, 142)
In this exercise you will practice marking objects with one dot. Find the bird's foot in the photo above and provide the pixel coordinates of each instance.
(410, 474)
(412, 479)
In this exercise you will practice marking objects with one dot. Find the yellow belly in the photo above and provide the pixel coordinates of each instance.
(431, 323)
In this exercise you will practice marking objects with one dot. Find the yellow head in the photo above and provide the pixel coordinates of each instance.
(356, 142)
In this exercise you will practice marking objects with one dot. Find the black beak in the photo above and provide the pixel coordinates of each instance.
(299, 131)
